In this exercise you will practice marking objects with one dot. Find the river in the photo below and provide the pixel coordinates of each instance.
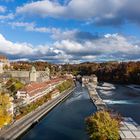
(66, 121)
(122, 99)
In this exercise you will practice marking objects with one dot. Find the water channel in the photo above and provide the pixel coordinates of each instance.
(66, 121)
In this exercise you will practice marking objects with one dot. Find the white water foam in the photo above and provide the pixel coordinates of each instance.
(119, 102)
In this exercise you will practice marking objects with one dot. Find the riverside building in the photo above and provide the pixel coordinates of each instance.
(35, 90)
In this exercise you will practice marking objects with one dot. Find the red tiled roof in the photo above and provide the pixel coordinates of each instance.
(2, 57)
(55, 91)
(34, 88)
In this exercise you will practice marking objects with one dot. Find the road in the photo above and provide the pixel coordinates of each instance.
(27, 121)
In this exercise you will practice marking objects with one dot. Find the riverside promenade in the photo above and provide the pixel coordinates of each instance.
(129, 129)
(22, 125)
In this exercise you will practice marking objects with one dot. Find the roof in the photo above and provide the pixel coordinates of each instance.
(35, 87)
(2, 57)
(55, 91)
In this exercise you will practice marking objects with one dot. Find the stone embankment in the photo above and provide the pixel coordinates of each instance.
(99, 103)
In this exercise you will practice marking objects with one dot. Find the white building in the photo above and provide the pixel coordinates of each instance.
(87, 79)
(55, 94)
(34, 91)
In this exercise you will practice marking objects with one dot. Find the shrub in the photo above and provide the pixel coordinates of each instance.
(65, 85)
(102, 126)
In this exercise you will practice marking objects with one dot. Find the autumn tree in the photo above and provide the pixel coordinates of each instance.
(5, 117)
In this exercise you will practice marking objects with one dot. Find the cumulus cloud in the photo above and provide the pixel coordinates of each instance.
(101, 12)
(56, 33)
(108, 44)
(107, 47)
(2, 9)
(30, 52)
(30, 26)
(74, 34)
(14, 48)
(7, 17)
(44, 7)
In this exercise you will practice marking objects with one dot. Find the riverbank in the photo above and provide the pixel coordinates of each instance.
(67, 120)
(19, 127)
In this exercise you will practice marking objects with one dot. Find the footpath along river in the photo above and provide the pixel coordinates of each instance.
(66, 121)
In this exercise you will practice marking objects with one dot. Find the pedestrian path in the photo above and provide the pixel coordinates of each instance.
(129, 130)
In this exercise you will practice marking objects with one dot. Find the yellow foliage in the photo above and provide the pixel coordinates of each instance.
(5, 118)
(101, 126)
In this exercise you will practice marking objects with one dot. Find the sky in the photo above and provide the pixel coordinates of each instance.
(70, 31)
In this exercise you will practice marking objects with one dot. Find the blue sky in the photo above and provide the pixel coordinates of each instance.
(70, 31)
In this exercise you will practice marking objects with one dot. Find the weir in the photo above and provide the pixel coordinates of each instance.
(129, 129)
(99, 103)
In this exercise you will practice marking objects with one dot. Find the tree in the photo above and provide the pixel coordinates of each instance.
(5, 117)
(101, 126)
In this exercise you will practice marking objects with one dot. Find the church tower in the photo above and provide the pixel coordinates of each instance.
(33, 75)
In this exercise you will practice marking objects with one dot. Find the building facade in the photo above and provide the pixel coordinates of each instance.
(4, 63)
(87, 79)
(4, 60)
(34, 91)
(31, 76)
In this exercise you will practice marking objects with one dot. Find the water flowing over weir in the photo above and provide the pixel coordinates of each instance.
(66, 121)
(122, 99)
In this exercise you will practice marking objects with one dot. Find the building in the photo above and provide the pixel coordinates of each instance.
(22, 75)
(4, 63)
(55, 93)
(35, 90)
(31, 76)
(1, 68)
(4, 60)
(87, 79)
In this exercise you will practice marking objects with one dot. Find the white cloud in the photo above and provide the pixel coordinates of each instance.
(32, 27)
(14, 48)
(107, 47)
(98, 11)
(44, 7)
(64, 35)
(2, 9)
(6, 17)
(110, 45)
